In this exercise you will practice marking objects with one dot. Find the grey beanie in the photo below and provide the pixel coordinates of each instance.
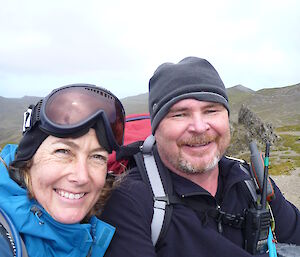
(192, 77)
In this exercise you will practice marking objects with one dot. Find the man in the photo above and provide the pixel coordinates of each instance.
(189, 112)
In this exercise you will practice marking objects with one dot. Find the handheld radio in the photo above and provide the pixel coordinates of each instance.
(258, 218)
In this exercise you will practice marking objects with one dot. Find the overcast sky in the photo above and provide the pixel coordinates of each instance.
(119, 44)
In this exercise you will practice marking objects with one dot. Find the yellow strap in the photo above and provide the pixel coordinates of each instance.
(272, 217)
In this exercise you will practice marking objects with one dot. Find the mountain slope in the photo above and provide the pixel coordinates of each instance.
(11, 116)
(279, 106)
(136, 104)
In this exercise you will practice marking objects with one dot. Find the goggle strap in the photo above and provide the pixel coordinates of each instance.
(27, 119)
(37, 111)
(102, 135)
(31, 116)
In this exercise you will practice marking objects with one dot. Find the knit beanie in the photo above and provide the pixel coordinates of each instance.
(192, 77)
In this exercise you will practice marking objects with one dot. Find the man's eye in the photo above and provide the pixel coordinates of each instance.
(62, 151)
(211, 110)
(179, 114)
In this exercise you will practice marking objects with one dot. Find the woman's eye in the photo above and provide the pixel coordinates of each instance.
(100, 158)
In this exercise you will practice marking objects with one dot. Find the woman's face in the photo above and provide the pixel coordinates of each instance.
(68, 175)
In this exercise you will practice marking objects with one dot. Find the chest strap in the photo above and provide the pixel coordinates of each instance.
(207, 210)
(17, 243)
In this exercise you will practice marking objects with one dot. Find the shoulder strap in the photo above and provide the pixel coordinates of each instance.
(160, 197)
(251, 184)
(19, 246)
(162, 210)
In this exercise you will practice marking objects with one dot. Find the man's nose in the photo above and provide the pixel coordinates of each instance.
(198, 124)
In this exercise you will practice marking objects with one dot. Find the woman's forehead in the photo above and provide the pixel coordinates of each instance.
(88, 139)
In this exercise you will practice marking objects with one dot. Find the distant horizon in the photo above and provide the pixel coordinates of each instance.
(11, 97)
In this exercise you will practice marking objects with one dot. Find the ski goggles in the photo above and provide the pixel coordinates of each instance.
(70, 111)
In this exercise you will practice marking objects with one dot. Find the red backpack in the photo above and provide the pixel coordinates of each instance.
(137, 129)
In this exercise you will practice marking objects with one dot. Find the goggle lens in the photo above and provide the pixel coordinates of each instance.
(72, 106)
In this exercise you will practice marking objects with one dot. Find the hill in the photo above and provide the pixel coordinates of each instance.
(11, 117)
(136, 104)
(279, 106)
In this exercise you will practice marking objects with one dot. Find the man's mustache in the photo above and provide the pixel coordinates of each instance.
(197, 140)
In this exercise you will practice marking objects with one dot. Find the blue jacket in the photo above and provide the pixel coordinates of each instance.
(43, 236)
(190, 233)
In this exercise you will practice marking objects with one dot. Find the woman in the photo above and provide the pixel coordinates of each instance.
(57, 178)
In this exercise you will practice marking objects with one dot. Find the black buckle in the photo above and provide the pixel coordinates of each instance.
(162, 199)
(232, 220)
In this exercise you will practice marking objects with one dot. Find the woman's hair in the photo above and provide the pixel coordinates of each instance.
(109, 185)
(20, 172)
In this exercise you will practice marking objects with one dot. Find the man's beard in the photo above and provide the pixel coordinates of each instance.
(189, 168)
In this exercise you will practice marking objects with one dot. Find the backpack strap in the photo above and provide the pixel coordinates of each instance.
(162, 210)
(159, 195)
(16, 241)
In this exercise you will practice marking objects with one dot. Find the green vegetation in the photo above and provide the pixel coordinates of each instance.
(292, 142)
(282, 148)
(282, 168)
(284, 155)
(288, 147)
(288, 128)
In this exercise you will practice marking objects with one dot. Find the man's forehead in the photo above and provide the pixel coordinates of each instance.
(186, 103)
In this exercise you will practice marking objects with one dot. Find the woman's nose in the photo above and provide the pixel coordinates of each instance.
(80, 172)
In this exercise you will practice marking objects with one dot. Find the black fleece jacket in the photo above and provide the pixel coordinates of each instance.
(130, 210)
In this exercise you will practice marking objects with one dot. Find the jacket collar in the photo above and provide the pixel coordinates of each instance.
(229, 174)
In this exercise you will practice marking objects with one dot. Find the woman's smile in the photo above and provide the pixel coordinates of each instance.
(69, 195)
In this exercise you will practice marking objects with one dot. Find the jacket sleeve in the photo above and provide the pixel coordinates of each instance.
(287, 219)
(130, 210)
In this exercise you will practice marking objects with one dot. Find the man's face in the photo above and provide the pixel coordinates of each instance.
(193, 136)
